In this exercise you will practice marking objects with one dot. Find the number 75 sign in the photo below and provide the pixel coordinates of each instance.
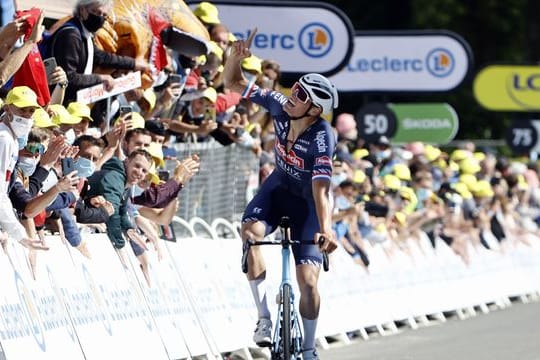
(522, 136)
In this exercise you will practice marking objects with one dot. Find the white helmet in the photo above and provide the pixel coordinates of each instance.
(321, 91)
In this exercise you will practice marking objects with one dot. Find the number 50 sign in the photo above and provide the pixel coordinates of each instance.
(522, 136)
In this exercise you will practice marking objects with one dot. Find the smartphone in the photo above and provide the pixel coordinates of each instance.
(50, 65)
(174, 79)
(210, 113)
(126, 109)
(163, 175)
(67, 166)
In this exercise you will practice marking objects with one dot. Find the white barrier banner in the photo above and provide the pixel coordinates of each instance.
(34, 323)
(209, 298)
(169, 306)
(123, 319)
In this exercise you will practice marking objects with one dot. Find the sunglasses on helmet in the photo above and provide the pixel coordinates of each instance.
(300, 93)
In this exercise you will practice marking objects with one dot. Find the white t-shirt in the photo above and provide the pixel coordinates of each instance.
(9, 153)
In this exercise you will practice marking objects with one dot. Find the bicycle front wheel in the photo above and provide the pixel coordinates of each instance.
(286, 325)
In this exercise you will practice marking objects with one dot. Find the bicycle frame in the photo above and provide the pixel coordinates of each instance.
(295, 332)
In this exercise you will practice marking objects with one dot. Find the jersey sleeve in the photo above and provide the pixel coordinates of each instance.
(272, 100)
(323, 152)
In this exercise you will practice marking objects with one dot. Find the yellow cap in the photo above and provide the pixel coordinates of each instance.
(207, 12)
(458, 155)
(21, 97)
(469, 180)
(153, 176)
(453, 165)
(232, 38)
(402, 171)
(401, 218)
(359, 176)
(360, 154)
(156, 151)
(432, 153)
(479, 155)
(408, 193)
(150, 96)
(391, 182)
(252, 63)
(42, 119)
(80, 110)
(469, 166)
(522, 183)
(214, 48)
(60, 115)
(482, 189)
(463, 190)
(210, 93)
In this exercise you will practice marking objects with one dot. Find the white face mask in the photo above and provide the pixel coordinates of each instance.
(21, 126)
(70, 136)
(27, 165)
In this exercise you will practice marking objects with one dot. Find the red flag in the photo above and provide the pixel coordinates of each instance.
(32, 71)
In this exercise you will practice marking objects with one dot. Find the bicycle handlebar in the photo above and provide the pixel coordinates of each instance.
(249, 243)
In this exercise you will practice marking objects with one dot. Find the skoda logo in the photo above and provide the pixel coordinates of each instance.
(440, 62)
(315, 40)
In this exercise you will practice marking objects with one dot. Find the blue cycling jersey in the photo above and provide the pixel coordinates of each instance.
(309, 157)
(287, 191)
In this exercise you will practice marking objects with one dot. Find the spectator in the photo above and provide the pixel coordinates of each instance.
(72, 46)
(20, 104)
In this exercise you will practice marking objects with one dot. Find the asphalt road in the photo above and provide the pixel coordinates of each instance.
(512, 333)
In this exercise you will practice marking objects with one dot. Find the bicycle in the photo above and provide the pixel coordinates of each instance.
(287, 338)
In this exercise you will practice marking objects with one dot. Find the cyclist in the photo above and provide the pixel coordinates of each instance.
(298, 187)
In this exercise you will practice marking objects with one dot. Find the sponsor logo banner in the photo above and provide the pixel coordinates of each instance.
(403, 61)
(508, 88)
(303, 37)
(432, 123)
(427, 122)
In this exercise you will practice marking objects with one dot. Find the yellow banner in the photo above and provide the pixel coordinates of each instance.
(508, 88)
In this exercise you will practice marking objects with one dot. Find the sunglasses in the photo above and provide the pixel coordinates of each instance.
(300, 93)
(35, 148)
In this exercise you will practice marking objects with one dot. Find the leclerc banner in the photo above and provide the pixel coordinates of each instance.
(405, 61)
(302, 36)
(431, 123)
(508, 88)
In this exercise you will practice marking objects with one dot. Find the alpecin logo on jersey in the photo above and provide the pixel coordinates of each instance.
(290, 158)
(323, 160)
(321, 141)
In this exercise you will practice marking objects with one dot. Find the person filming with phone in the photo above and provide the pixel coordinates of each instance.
(299, 187)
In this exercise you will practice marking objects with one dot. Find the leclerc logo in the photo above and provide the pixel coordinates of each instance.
(440, 62)
(315, 40)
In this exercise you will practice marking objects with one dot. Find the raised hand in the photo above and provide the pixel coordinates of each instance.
(56, 147)
(241, 48)
(186, 169)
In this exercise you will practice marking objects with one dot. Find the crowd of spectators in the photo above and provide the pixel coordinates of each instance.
(76, 168)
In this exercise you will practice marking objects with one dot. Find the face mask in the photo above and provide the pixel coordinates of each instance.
(27, 165)
(383, 155)
(93, 22)
(249, 76)
(423, 194)
(266, 82)
(22, 141)
(70, 136)
(338, 178)
(85, 168)
(21, 126)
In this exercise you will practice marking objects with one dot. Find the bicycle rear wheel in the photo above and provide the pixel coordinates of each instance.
(286, 325)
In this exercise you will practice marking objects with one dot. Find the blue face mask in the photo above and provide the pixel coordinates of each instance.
(22, 141)
(85, 168)
(338, 178)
